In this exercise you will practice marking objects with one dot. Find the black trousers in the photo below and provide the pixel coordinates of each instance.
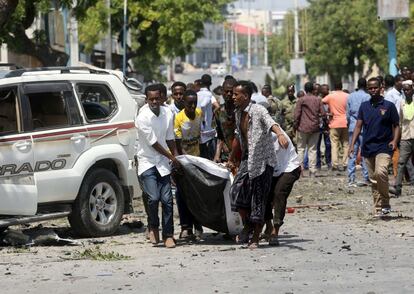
(278, 195)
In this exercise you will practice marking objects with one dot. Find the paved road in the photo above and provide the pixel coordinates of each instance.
(337, 249)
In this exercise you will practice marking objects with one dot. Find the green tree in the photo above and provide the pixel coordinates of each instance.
(405, 39)
(341, 31)
(20, 16)
(159, 28)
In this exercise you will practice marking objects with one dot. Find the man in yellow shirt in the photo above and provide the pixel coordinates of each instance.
(187, 127)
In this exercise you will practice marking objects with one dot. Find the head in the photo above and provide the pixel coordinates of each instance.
(153, 98)
(316, 89)
(229, 77)
(218, 90)
(324, 90)
(228, 86)
(190, 86)
(389, 81)
(163, 92)
(374, 87)
(267, 90)
(205, 81)
(254, 87)
(197, 85)
(242, 92)
(290, 91)
(408, 90)
(338, 85)
(399, 79)
(300, 94)
(362, 84)
(406, 73)
(190, 102)
(308, 88)
(178, 89)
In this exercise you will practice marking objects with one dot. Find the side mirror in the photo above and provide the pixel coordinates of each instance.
(134, 84)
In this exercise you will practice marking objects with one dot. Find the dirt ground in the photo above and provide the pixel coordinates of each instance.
(335, 246)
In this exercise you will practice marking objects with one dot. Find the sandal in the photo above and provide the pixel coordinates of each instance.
(274, 240)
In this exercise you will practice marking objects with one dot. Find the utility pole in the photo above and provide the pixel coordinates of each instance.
(392, 47)
(249, 39)
(296, 42)
(266, 28)
(125, 33)
(108, 40)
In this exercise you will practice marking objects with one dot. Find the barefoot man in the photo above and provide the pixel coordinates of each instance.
(253, 180)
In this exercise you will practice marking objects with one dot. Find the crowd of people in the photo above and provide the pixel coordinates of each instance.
(268, 143)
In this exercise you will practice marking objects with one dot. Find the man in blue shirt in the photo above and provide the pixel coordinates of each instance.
(381, 130)
(354, 101)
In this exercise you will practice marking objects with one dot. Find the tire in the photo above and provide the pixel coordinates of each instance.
(98, 209)
(2, 229)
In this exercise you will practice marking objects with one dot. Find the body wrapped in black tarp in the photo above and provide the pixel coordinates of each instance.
(205, 189)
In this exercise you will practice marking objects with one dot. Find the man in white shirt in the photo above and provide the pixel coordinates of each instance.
(394, 94)
(285, 174)
(155, 149)
(206, 101)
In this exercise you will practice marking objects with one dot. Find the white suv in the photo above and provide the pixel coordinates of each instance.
(66, 148)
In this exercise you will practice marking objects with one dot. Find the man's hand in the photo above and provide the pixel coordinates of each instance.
(231, 166)
(283, 142)
(350, 151)
(393, 145)
(176, 164)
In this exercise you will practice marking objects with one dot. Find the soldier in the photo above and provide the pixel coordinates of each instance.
(288, 107)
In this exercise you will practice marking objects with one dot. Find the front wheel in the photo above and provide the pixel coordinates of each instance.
(99, 207)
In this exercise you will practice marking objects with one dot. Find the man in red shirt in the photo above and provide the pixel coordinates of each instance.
(336, 102)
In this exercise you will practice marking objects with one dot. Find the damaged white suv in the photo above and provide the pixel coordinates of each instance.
(66, 148)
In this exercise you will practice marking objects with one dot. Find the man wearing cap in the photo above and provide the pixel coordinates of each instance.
(206, 101)
(407, 135)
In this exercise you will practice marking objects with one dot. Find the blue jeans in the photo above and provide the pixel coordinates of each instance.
(158, 189)
(352, 160)
(327, 142)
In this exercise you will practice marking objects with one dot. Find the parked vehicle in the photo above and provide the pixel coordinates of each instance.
(66, 148)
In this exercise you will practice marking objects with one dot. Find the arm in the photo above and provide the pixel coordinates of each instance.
(220, 144)
(297, 114)
(179, 147)
(357, 131)
(396, 132)
(348, 112)
(284, 143)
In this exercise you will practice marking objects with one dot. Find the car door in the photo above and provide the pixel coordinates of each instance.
(18, 189)
(59, 137)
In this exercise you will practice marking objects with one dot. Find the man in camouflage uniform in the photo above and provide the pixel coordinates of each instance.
(275, 107)
(288, 107)
(226, 123)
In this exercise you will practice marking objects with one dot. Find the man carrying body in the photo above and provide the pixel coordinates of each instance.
(225, 121)
(252, 183)
(177, 104)
(286, 173)
(381, 130)
(155, 149)
(308, 111)
(355, 100)
(206, 102)
(187, 128)
(336, 102)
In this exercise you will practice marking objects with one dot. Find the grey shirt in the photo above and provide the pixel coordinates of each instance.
(261, 151)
